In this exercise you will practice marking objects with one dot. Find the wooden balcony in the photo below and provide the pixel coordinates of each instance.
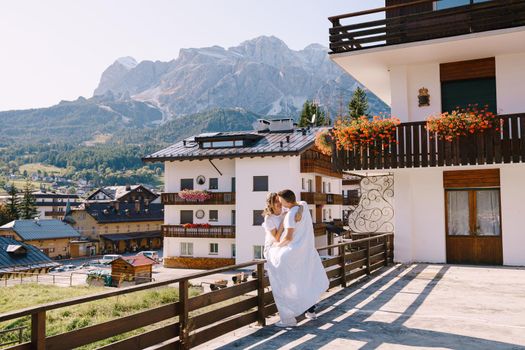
(416, 147)
(414, 21)
(322, 198)
(216, 198)
(54, 213)
(319, 229)
(315, 162)
(198, 232)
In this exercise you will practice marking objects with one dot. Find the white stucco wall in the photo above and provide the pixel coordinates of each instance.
(510, 83)
(420, 214)
(172, 214)
(175, 171)
(201, 247)
(513, 213)
(405, 83)
(283, 173)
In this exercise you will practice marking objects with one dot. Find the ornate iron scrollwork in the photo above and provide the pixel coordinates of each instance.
(375, 211)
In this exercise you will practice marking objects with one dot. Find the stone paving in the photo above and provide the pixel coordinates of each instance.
(421, 306)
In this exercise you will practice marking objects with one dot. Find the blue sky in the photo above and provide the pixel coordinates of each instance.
(56, 49)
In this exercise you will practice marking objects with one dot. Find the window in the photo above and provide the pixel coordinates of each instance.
(257, 251)
(329, 187)
(51, 250)
(473, 212)
(233, 250)
(222, 144)
(260, 183)
(461, 93)
(310, 185)
(186, 217)
(445, 4)
(233, 217)
(186, 184)
(214, 248)
(302, 183)
(214, 215)
(233, 184)
(324, 187)
(186, 249)
(258, 219)
(214, 183)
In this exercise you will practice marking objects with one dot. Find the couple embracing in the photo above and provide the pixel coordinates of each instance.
(296, 273)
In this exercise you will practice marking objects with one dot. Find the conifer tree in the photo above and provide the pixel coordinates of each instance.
(358, 105)
(11, 207)
(309, 109)
(27, 207)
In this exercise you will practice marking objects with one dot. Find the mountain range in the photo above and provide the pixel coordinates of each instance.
(259, 77)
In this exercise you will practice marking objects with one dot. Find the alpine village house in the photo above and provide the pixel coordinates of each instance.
(216, 186)
(458, 200)
(120, 219)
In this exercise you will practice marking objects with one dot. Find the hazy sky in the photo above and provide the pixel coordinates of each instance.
(57, 49)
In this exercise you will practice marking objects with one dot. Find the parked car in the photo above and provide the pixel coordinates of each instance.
(64, 268)
(153, 255)
(108, 258)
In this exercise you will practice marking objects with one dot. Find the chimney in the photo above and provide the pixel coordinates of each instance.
(116, 205)
(128, 187)
(137, 206)
(287, 139)
(303, 131)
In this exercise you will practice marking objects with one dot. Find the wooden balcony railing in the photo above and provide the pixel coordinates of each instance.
(322, 198)
(315, 162)
(418, 21)
(319, 229)
(416, 147)
(160, 328)
(54, 213)
(198, 232)
(216, 198)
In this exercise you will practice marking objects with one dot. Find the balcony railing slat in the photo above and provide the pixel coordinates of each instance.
(522, 137)
(515, 139)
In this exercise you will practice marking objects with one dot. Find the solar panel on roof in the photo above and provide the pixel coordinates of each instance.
(208, 134)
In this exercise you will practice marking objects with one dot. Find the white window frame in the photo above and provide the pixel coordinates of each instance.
(214, 249)
(258, 252)
(186, 248)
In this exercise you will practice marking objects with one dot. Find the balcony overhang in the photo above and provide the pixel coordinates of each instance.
(371, 66)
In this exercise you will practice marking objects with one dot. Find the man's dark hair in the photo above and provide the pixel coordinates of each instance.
(288, 195)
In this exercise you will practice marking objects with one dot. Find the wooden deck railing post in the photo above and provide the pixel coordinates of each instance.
(38, 331)
(368, 257)
(261, 315)
(184, 315)
(342, 254)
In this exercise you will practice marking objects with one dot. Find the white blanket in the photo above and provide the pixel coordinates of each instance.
(297, 276)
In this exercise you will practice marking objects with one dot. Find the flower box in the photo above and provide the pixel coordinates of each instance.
(196, 225)
(194, 195)
(363, 131)
(461, 122)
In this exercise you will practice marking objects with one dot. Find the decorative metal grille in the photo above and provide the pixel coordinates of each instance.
(375, 211)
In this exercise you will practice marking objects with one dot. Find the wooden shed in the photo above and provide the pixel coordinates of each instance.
(135, 269)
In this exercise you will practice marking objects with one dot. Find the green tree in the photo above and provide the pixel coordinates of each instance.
(11, 207)
(310, 108)
(358, 105)
(27, 207)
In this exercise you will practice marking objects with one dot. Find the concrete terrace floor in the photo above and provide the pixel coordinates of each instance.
(420, 306)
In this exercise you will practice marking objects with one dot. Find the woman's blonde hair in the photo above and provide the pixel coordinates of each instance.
(270, 201)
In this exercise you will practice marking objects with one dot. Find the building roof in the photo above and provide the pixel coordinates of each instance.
(105, 212)
(117, 192)
(41, 229)
(137, 260)
(12, 262)
(293, 142)
(40, 194)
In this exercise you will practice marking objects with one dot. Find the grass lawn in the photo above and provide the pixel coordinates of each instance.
(50, 169)
(78, 316)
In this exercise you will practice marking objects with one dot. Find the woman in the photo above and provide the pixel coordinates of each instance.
(296, 273)
(273, 220)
